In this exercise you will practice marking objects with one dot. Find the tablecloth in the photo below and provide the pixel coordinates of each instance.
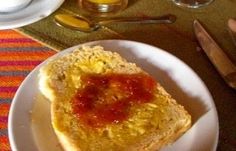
(18, 56)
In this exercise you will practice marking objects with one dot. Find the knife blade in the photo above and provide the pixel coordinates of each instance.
(233, 36)
(220, 60)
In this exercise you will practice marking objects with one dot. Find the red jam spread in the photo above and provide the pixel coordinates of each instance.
(105, 99)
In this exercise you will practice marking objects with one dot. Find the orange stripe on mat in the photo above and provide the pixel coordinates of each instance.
(11, 83)
(4, 108)
(26, 44)
(3, 126)
(4, 143)
(7, 95)
(11, 35)
(5, 78)
(33, 53)
(24, 58)
(17, 56)
(16, 68)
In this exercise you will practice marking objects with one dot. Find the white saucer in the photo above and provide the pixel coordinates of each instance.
(35, 11)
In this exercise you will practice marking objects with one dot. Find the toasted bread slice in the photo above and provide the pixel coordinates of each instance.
(148, 126)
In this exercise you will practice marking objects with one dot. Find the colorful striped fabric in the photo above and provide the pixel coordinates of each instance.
(18, 56)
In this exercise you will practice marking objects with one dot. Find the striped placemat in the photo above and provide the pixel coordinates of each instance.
(18, 56)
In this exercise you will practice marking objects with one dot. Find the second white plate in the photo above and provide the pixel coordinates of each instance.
(175, 76)
(35, 11)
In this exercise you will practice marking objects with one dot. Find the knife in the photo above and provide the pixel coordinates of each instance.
(233, 36)
(220, 60)
(232, 30)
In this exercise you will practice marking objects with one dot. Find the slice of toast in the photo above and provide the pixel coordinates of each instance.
(147, 126)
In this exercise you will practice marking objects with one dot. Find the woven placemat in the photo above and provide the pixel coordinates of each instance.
(176, 38)
(19, 55)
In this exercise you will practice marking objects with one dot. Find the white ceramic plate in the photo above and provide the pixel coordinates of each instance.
(178, 79)
(35, 11)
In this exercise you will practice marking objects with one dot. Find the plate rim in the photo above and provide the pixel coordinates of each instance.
(33, 18)
(70, 49)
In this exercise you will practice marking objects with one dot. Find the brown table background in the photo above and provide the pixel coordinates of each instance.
(177, 38)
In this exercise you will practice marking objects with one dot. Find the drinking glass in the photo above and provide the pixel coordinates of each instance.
(103, 7)
(192, 3)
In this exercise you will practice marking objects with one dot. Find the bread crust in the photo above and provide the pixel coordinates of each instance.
(149, 127)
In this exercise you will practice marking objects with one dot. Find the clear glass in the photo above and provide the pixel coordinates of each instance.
(192, 3)
(103, 7)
